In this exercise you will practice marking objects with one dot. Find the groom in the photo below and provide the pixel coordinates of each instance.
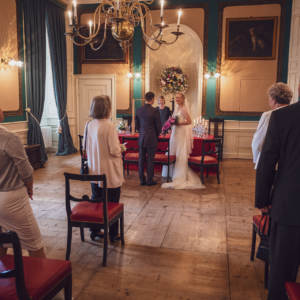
(148, 124)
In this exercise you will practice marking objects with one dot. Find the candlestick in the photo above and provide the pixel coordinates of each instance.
(179, 15)
(162, 9)
(194, 122)
(75, 9)
(70, 17)
(197, 121)
(90, 23)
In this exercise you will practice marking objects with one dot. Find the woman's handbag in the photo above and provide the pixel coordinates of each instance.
(263, 248)
(85, 169)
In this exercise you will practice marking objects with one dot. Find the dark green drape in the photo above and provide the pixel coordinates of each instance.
(58, 51)
(35, 45)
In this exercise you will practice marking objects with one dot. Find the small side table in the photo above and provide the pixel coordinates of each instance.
(34, 155)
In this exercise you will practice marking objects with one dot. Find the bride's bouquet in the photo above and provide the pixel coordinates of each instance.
(167, 126)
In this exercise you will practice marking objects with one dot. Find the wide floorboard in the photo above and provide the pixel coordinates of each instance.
(180, 244)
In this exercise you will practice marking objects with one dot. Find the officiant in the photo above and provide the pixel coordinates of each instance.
(164, 110)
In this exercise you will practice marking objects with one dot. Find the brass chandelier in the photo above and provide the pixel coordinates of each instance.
(122, 16)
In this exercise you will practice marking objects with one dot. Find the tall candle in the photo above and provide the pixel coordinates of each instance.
(203, 120)
(200, 119)
(194, 122)
(197, 121)
(179, 15)
(75, 9)
(70, 17)
(162, 9)
(90, 23)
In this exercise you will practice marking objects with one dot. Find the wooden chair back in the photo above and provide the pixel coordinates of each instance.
(90, 178)
(11, 237)
(80, 144)
(217, 150)
(128, 138)
(217, 122)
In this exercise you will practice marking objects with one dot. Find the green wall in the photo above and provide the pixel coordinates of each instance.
(212, 52)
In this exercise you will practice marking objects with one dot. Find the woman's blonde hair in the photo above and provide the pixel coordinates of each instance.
(100, 107)
(161, 97)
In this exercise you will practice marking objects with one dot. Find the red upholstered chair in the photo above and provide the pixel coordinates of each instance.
(207, 160)
(32, 278)
(163, 157)
(95, 214)
(82, 152)
(293, 290)
(257, 227)
(130, 158)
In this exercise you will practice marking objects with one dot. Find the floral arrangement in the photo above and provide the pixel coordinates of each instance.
(167, 126)
(121, 126)
(173, 80)
(123, 147)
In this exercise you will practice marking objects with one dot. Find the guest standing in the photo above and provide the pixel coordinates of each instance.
(148, 124)
(280, 95)
(16, 187)
(163, 110)
(104, 154)
(282, 147)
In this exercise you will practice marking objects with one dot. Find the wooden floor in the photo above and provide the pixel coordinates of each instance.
(180, 244)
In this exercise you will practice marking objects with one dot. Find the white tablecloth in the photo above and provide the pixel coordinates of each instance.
(47, 136)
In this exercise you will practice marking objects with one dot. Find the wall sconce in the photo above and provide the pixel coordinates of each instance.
(11, 62)
(211, 75)
(137, 75)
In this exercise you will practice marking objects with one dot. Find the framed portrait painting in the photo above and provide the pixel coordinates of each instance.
(251, 38)
(111, 51)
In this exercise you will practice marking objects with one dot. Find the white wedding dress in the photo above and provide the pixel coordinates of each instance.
(183, 177)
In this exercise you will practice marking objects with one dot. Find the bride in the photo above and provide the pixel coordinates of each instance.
(181, 145)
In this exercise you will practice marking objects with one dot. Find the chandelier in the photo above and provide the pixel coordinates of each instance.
(121, 16)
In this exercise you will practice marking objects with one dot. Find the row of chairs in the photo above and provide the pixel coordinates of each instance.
(207, 160)
(217, 132)
(38, 278)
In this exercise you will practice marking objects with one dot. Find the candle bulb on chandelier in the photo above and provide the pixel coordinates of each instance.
(75, 9)
(179, 15)
(70, 17)
(162, 9)
(90, 23)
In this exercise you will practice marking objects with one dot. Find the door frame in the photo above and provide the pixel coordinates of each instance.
(111, 77)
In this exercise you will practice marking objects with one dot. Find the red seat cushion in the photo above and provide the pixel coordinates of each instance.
(164, 158)
(41, 276)
(293, 290)
(207, 160)
(93, 212)
(131, 156)
(256, 221)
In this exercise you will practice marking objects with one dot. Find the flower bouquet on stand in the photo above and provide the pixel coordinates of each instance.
(122, 127)
(168, 124)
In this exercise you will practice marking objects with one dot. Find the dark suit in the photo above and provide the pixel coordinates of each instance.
(148, 124)
(282, 146)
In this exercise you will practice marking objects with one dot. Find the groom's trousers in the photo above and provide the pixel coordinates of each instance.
(150, 163)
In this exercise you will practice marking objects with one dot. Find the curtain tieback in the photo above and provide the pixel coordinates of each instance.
(29, 111)
(59, 129)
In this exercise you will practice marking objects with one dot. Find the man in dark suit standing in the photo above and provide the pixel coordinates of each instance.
(282, 146)
(148, 124)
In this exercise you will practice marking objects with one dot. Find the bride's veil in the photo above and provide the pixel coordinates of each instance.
(189, 129)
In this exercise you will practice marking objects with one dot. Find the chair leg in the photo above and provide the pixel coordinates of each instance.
(127, 169)
(168, 173)
(82, 234)
(68, 289)
(69, 242)
(207, 169)
(201, 170)
(122, 229)
(218, 174)
(253, 245)
(105, 247)
(266, 275)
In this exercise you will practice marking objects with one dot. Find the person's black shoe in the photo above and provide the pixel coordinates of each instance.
(152, 183)
(114, 239)
(143, 183)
